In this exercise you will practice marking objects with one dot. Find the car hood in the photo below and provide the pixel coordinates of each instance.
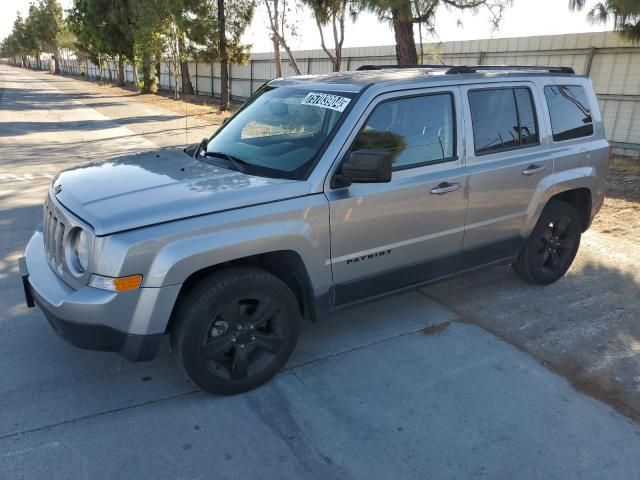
(150, 188)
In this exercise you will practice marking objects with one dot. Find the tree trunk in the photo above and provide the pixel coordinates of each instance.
(406, 53)
(121, 77)
(146, 73)
(187, 86)
(136, 79)
(56, 56)
(224, 67)
(277, 62)
(176, 82)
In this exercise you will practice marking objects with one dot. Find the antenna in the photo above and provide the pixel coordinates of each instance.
(186, 123)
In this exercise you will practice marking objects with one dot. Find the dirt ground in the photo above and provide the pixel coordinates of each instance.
(203, 108)
(620, 214)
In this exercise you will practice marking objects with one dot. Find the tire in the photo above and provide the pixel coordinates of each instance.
(552, 246)
(235, 330)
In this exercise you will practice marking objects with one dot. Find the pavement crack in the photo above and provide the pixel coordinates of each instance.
(191, 392)
(97, 415)
(342, 352)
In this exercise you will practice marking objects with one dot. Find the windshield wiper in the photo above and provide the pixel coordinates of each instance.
(238, 164)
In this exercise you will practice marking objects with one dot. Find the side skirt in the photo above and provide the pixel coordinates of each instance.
(414, 276)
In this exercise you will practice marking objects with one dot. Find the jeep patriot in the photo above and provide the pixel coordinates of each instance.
(321, 192)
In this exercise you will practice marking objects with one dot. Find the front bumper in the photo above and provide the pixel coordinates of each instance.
(130, 323)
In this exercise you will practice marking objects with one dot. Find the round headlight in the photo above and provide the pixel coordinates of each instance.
(82, 250)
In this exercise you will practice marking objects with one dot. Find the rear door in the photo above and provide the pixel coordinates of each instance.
(387, 236)
(508, 158)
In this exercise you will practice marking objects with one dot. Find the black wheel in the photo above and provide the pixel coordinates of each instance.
(235, 329)
(552, 246)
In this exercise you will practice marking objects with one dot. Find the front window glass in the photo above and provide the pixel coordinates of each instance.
(415, 130)
(281, 131)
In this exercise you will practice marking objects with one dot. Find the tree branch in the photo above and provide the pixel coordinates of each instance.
(322, 43)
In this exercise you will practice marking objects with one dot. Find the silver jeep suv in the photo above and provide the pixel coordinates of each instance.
(319, 193)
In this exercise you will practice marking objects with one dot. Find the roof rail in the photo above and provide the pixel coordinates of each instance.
(460, 69)
(385, 67)
(478, 68)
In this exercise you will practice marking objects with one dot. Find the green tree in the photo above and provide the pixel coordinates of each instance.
(14, 45)
(151, 19)
(47, 22)
(214, 29)
(404, 14)
(625, 15)
(86, 42)
(105, 27)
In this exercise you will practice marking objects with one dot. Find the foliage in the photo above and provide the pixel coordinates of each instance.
(43, 30)
(104, 26)
(625, 15)
(201, 26)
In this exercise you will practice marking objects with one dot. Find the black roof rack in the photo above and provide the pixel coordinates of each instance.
(477, 68)
(460, 69)
(385, 67)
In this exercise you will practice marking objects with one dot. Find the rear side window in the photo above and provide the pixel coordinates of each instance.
(503, 119)
(416, 130)
(570, 112)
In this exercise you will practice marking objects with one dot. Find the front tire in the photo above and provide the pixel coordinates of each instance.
(235, 330)
(552, 246)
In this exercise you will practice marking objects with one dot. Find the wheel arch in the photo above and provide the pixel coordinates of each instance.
(286, 265)
(577, 187)
(580, 198)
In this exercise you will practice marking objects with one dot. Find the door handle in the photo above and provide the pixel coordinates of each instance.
(445, 187)
(533, 169)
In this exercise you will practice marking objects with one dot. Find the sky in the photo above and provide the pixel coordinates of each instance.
(524, 18)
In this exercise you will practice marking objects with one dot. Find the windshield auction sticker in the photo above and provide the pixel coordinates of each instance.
(326, 100)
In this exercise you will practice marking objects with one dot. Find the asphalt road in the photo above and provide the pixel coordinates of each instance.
(368, 394)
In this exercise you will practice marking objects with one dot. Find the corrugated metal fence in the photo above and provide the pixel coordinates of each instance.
(612, 65)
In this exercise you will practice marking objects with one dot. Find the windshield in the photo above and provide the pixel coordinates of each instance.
(280, 131)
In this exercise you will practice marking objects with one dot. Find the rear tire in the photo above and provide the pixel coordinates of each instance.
(552, 246)
(235, 330)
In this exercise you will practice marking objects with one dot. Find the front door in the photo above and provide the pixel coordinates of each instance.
(389, 236)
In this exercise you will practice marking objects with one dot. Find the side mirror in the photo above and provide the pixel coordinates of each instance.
(365, 166)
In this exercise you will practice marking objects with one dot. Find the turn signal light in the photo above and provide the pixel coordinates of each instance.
(120, 284)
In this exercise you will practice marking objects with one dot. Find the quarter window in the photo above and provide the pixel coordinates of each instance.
(570, 112)
(416, 130)
(503, 119)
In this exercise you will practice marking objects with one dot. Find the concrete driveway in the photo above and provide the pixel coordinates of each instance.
(369, 394)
